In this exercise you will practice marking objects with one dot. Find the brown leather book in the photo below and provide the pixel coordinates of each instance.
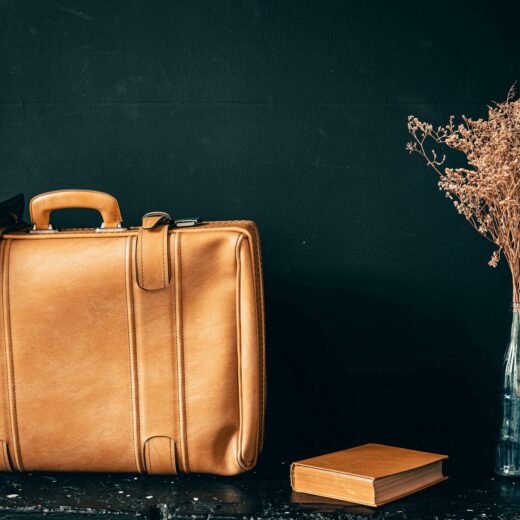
(372, 474)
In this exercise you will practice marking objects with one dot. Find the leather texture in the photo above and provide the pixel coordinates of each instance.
(136, 350)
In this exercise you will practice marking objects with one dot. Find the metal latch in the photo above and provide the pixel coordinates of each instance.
(187, 222)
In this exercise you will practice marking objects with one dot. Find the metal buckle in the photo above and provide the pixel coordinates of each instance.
(104, 229)
(50, 229)
(165, 218)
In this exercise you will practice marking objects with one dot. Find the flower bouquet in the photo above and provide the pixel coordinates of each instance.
(486, 192)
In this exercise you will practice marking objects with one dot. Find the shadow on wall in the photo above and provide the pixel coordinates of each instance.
(345, 368)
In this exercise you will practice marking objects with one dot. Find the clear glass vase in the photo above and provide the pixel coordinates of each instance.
(508, 447)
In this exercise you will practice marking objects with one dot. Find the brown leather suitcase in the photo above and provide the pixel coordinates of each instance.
(134, 349)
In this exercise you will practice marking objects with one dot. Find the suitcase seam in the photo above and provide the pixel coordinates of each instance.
(8, 391)
(172, 291)
(253, 244)
(141, 257)
(165, 239)
(171, 460)
(182, 407)
(209, 226)
(3, 454)
(261, 335)
(129, 355)
(185, 402)
(177, 354)
(149, 457)
(172, 306)
(261, 331)
(238, 289)
(134, 395)
(256, 259)
(8, 333)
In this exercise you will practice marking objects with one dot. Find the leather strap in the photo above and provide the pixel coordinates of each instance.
(159, 455)
(153, 266)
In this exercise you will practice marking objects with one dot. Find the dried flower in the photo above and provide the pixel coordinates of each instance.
(487, 191)
(495, 257)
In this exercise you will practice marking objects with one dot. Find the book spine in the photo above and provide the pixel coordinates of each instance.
(291, 475)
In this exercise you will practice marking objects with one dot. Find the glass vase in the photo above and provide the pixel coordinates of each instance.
(508, 447)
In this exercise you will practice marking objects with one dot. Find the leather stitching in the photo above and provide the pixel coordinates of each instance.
(257, 271)
(184, 400)
(183, 405)
(166, 258)
(141, 240)
(6, 467)
(177, 346)
(6, 456)
(239, 348)
(4, 329)
(130, 356)
(9, 346)
(150, 464)
(261, 332)
(171, 460)
(3, 455)
(136, 359)
(150, 470)
(173, 334)
(208, 227)
(162, 258)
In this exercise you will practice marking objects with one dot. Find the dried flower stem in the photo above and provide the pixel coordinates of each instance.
(487, 191)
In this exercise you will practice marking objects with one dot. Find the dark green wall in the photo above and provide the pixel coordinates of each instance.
(384, 321)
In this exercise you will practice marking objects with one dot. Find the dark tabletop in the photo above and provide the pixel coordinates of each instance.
(258, 494)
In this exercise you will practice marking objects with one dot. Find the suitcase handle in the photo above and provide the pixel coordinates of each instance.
(41, 206)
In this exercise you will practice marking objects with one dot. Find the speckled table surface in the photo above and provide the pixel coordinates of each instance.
(255, 495)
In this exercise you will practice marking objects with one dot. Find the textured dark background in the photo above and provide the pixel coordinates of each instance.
(384, 321)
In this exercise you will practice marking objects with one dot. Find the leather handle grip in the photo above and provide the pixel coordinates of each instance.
(41, 206)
